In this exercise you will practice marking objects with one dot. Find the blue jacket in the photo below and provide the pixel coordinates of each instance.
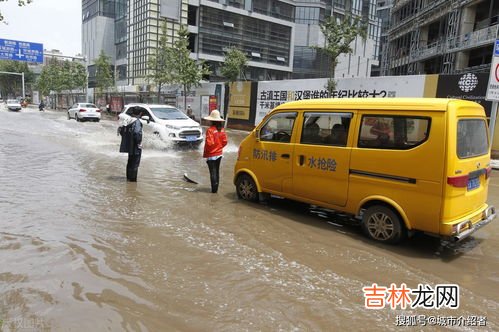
(131, 137)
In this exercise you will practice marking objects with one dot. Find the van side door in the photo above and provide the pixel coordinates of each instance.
(322, 157)
(273, 152)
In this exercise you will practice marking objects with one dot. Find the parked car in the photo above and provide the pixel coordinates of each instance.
(13, 105)
(166, 122)
(84, 111)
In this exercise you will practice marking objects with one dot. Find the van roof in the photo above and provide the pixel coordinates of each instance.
(429, 104)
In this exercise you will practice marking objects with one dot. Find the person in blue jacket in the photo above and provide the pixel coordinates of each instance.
(131, 143)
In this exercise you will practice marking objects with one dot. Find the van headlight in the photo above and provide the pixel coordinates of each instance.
(172, 127)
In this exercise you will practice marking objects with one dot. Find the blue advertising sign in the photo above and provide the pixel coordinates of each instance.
(21, 51)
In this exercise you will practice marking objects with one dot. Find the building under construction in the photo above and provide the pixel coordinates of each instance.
(440, 36)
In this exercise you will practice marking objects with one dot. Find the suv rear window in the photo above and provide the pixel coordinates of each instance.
(472, 139)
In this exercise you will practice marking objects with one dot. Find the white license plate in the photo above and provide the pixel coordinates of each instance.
(473, 183)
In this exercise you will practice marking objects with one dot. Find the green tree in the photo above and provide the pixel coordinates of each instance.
(338, 36)
(19, 3)
(158, 66)
(52, 78)
(184, 70)
(235, 62)
(61, 76)
(103, 73)
(74, 76)
(79, 76)
(12, 84)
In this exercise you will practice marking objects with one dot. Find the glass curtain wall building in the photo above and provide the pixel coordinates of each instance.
(278, 36)
(128, 32)
(310, 62)
(263, 29)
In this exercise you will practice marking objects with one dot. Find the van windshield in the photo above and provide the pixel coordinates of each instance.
(472, 139)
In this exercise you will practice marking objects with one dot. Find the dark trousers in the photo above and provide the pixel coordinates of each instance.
(214, 167)
(132, 166)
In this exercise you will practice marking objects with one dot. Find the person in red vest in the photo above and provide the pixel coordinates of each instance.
(214, 143)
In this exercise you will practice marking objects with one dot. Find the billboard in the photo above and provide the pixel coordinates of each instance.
(274, 93)
(239, 104)
(469, 86)
(21, 51)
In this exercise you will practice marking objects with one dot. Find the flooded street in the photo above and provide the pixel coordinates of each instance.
(82, 249)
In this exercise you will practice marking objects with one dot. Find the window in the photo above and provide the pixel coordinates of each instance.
(144, 112)
(168, 113)
(85, 105)
(472, 139)
(393, 132)
(325, 128)
(278, 128)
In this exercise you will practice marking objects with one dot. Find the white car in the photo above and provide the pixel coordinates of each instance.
(166, 122)
(84, 111)
(13, 105)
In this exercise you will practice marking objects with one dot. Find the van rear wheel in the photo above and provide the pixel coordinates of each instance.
(246, 188)
(382, 224)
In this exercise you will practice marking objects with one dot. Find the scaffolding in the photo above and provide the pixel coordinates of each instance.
(420, 13)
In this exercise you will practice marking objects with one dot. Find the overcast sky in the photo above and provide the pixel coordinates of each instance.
(54, 23)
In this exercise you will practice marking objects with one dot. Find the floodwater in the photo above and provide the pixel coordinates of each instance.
(81, 249)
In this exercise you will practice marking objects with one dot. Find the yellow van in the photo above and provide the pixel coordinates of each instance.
(397, 164)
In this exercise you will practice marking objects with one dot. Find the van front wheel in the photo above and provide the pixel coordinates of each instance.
(246, 188)
(382, 224)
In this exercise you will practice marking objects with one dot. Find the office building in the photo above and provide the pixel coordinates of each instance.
(310, 62)
(129, 31)
(263, 29)
(278, 36)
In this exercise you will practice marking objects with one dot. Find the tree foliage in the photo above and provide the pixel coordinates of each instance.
(12, 84)
(172, 64)
(159, 71)
(235, 62)
(186, 71)
(338, 37)
(59, 76)
(103, 73)
(20, 3)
